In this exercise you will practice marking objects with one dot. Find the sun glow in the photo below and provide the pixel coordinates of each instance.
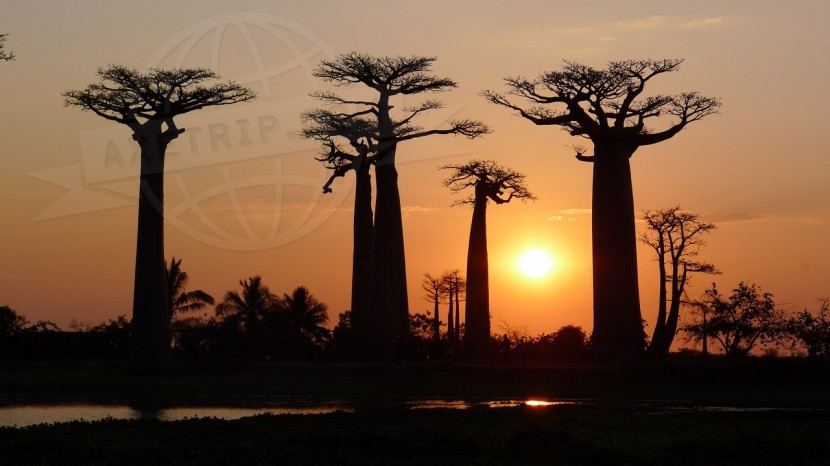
(535, 263)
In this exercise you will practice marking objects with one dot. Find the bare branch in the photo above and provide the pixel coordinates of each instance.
(490, 180)
(5, 56)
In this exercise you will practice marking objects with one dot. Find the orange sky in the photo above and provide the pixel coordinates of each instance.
(758, 170)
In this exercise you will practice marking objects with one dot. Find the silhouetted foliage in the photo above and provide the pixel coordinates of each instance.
(569, 344)
(433, 290)
(147, 102)
(4, 55)
(343, 340)
(117, 334)
(306, 316)
(11, 324)
(607, 106)
(454, 285)
(374, 130)
(676, 237)
(181, 301)
(490, 182)
(812, 330)
(739, 323)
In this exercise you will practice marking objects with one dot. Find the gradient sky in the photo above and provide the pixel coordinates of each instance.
(758, 170)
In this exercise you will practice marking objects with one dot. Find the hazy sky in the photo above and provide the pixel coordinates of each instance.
(243, 191)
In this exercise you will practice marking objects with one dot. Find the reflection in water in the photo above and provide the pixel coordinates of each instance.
(542, 403)
(21, 416)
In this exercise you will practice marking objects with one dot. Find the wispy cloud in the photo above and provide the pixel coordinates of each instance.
(568, 214)
(651, 22)
(416, 209)
(735, 217)
(702, 23)
(575, 211)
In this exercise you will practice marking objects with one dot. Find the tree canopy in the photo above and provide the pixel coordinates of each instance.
(597, 103)
(4, 55)
(124, 94)
(492, 179)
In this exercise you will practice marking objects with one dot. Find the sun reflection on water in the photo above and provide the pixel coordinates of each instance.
(541, 403)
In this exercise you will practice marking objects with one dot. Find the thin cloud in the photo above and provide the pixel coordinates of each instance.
(702, 23)
(416, 209)
(575, 211)
(735, 217)
(651, 22)
(568, 214)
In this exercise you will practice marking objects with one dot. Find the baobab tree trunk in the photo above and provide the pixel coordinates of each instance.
(660, 324)
(151, 317)
(477, 314)
(618, 327)
(362, 254)
(457, 314)
(450, 319)
(436, 324)
(678, 284)
(389, 305)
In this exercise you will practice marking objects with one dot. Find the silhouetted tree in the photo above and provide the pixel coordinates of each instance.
(117, 333)
(247, 308)
(342, 336)
(305, 315)
(11, 324)
(4, 55)
(676, 237)
(739, 323)
(608, 107)
(147, 103)
(327, 127)
(180, 301)
(433, 290)
(388, 78)
(812, 330)
(490, 182)
(454, 284)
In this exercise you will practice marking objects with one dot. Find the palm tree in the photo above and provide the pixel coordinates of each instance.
(180, 301)
(305, 314)
(249, 306)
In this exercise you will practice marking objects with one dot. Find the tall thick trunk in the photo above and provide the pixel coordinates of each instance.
(457, 314)
(450, 319)
(618, 328)
(389, 306)
(151, 317)
(477, 315)
(678, 284)
(436, 323)
(362, 254)
(657, 338)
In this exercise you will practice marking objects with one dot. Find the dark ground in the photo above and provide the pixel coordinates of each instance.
(634, 420)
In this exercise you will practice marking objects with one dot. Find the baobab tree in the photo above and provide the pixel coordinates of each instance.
(4, 55)
(676, 237)
(433, 290)
(454, 284)
(387, 78)
(147, 104)
(489, 182)
(328, 128)
(607, 106)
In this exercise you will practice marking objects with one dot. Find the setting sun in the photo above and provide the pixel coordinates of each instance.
(535, 263)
